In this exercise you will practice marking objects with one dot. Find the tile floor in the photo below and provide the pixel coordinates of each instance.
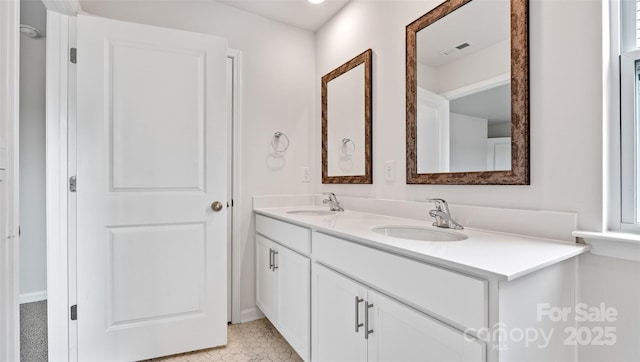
(252, 341)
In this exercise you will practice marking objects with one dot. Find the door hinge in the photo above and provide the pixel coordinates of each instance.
(72, 184)
(73, 55)
(74, 312)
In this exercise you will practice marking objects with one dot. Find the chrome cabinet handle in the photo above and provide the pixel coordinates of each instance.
(271, 259)
(275, 266)
(367, 332)
(358, 324)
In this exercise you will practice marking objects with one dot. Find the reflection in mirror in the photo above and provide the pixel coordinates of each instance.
(462, 59)
(457, 70)
(481, 130)
(472, 132)
(346, 122)
(345, 100)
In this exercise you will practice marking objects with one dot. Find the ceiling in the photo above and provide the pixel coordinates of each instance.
(492, 104)
(299, 13)
(479, 23)
(33, 13)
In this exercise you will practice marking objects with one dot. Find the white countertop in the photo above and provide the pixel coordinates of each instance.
(489, 254)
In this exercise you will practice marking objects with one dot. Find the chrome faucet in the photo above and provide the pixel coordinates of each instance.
(443, 215)
(332, 201)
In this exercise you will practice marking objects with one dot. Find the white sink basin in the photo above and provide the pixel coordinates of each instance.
(312, 212)
(418, 233)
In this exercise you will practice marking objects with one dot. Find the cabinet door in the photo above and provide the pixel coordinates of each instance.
(335, 316)
(266, 283)
(294, 294)
(401, 333)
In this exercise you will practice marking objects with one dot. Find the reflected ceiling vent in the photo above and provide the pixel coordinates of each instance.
(455, 48)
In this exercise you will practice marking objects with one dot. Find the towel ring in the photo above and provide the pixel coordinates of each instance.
(280, 142)
(345, 149)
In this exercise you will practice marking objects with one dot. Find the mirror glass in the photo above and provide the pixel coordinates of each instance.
(346, 122)
(345, 97)
(460, 98)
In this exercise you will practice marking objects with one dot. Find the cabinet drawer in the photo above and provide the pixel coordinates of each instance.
(457, 298)
(295, 237)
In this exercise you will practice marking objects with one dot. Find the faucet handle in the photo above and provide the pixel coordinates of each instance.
(330, 195)
(441, 204)
(332, 201)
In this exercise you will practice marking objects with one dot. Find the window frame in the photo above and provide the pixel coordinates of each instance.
(627, 54)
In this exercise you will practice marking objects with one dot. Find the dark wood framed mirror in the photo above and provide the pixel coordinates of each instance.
(346, 122)
(467, 94)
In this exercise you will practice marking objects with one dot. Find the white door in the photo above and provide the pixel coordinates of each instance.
(499, 153)
(432, 131)
(338, 312)
(151, 159)
(403, 334)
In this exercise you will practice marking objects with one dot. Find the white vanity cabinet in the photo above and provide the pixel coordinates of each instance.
(283, 280)
(323, 282)
(352, 322)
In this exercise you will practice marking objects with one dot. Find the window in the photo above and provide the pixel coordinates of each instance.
(630, 113)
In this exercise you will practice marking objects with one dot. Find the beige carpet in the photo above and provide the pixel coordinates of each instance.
(253, 341)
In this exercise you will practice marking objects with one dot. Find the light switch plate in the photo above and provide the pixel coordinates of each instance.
(389, 170)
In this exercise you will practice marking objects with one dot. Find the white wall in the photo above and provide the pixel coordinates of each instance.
(499, 130)
(616, 283)
(468, 136)
(33, 243)
(278, 88)
(564, 97)
(566, 109)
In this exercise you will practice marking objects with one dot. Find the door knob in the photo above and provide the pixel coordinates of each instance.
(216, 206)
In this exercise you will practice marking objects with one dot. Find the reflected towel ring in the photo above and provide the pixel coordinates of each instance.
(345, 147)
(280, 142)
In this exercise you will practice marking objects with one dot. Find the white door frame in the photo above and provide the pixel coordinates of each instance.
(62, 332)
(57, 114)
(236, 185)
(9, 204)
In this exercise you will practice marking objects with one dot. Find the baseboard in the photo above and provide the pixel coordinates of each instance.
(250, 314)
(33, 297)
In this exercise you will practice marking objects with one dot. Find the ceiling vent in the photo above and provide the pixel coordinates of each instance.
(455, 48)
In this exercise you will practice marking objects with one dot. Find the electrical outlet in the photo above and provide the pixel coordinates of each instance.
(390, 170)
(306, 174)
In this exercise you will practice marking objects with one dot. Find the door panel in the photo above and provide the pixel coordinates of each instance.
(403, 334)
(151, 158)
(173, 270)
(157, 138)
(294, 294)
(334, 315)
(266, 283)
